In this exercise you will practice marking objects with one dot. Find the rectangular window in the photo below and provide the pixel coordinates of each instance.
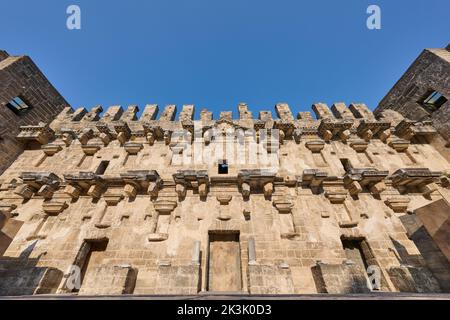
(434, 100)
(102, 167)
(18, 106)
(223, 167)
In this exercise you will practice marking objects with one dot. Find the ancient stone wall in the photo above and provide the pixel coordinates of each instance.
(20, 77)
(429, 72)
(294, 206)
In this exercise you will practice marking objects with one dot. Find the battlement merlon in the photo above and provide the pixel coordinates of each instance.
(340, 122)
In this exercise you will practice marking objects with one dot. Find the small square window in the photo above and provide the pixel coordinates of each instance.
(102, 167)
(223, 167)
(18, 106)
(434, 100)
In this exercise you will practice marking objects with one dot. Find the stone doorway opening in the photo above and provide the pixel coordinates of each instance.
(359, 252)
(354, 251)
(224, 262)
(89, 257)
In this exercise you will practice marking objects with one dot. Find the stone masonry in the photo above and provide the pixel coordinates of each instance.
(19, 76)
(116, 204)
(429, 72)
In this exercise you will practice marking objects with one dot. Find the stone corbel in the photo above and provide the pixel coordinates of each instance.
(344, 135)
(224, 200)
(90, 149)
(415, 179)
(428, 189)
(203, 190)
(51, 149)
(358, 178)
(43, 183)
(85, 135)
(398, 204)
(133, 147)
(72, 191)
(41, 133)
(24, 191)
(385, 135)
(85, 181)
(5, 212)
(315, 145)
(359, 145)
(67, 136)
(130, 190)
(142, 180)
(123, 132)
(313, 178)
(283, 205)
(180, 190)
(370, 128)
(162, 207)
(53, 208)
(298, 135)
(112, 197)
(96, 190)
(245, 189)
(150, 138)
(400, 145)
(336, 196)
(268, 189)
(167, 137)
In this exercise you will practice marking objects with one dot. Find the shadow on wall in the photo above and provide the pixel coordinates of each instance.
(412, 275)
(22, 276)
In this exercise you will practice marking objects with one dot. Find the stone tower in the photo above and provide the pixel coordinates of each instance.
(423, 92)
(26, 98)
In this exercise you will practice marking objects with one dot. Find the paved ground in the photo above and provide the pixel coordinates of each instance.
(231, 296)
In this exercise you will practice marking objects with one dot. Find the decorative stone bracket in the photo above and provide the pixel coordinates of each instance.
(371, 128)
(88, 182)
(257, 179)
(135, 181)
(5, 212)
(398, 204)
(42, 183)
(358, 178)
(313, 178)
(41, 133)
(197, 180)
(329, 128)
(160, 229)
(400, 145)
(315, 146)
(415, 179)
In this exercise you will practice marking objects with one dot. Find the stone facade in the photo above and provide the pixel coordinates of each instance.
(20, 77)
(429, 72)
(116, 204)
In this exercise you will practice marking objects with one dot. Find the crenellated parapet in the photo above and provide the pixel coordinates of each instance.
(352, 125)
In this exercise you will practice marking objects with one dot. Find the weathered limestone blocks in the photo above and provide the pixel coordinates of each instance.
(187, 113)
(398, 204)
(315, 145)
(341, 111)
(277, 216)
(54, 207)
(244, 113)
(150, 112)
(115, 280)
(408, 179)
(41, 133)
(340, 279)
(168, 113)
(322, 111)
(284, 112)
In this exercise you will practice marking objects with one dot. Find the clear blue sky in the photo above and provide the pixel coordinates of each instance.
(215, 54)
